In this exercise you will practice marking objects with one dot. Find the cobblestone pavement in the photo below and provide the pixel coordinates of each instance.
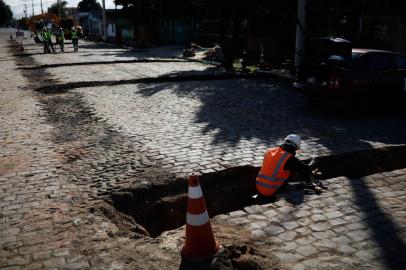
(34, 199)
(208, 126)
(356, 224)
(61, 153)
(230, 123)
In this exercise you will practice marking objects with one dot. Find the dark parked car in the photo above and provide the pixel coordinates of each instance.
(364, 73)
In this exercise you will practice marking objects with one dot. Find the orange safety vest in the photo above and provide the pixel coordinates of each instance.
(272, 174)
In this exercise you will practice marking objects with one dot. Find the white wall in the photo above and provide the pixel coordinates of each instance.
(111, 30)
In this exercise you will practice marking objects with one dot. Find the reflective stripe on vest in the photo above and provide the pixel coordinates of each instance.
(74, 34)
(272, 174)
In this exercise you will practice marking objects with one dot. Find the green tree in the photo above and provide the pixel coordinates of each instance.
(88, 5)
(54, 8)
(5, 13)
(124, 3)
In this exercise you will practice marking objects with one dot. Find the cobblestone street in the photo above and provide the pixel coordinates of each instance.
(63, 153)
(357, 224)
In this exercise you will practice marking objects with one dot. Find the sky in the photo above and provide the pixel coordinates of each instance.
(17, 6)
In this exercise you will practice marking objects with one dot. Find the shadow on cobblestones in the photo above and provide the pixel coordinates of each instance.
(268, 110)
(108, 161)
(93, 152)
(232, 190)
(32, 54)
(385, 231)
(61, 88)
(104, 63)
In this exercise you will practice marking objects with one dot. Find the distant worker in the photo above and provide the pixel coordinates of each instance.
(48, 38)
(75, 39)
(280, 166)
(60, 37)
(45, 41)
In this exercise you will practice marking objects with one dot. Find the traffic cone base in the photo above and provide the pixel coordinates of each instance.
(201, 243)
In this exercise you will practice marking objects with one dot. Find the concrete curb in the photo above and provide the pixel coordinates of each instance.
(261, 73)
(286, 78)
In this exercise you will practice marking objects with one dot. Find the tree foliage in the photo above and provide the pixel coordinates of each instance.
(5, 13)
(142, 11)
(54, 8)
(125, 3)
(88, 5)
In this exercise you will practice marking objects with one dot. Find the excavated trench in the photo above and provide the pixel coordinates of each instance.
(163, 207)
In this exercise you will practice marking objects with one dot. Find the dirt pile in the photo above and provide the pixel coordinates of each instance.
(121, 245)
(237, 250)
(235, 257)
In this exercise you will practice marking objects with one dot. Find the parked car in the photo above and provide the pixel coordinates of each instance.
(364, 73)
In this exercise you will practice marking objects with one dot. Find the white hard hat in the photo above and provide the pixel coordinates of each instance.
(294, 139)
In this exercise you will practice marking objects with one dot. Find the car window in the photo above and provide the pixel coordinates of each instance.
(380, 62)
(400, 62)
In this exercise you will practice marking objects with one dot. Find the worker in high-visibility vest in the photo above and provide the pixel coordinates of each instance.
(279, 165)
(45, 41)
(60, 37)
(48, 38)
(75, 39)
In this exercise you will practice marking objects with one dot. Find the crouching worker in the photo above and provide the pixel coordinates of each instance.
(280, 166)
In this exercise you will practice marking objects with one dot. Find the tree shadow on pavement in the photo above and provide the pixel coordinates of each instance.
(267, 110)
(192, 76)
(385, 231)
(103, 63)
(98, 46)
(38, 53)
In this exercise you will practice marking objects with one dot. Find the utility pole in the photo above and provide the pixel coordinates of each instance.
(59, 8)
(42, 9)
(32, 4)
(300, 32)
(104, 21)
(25, 10)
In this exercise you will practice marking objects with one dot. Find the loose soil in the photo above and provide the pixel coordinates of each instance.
(81, 137)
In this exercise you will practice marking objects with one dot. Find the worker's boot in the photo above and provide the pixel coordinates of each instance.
(311, 188)
(320, 184)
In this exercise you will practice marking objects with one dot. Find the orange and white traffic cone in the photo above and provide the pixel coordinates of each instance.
(200, 243)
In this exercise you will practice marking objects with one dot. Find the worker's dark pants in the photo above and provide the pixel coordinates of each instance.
(46, 46)
(51, 45)
(75, 43)
(61, 44)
